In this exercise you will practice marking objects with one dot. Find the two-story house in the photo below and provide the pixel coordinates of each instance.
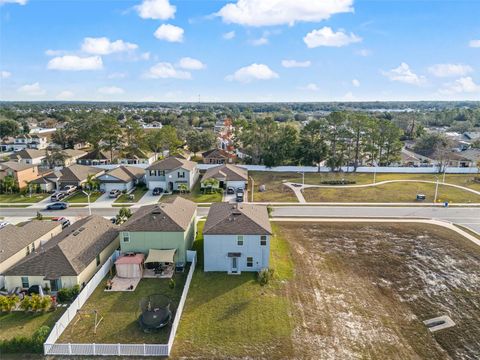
(29, 156)
(30, 141)
(236, 238)
(170, 173)
(22, 174)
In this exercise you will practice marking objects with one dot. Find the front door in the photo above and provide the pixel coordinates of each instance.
(55, 285)
(234, 269)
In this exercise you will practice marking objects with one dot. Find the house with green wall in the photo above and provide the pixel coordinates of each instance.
(162, 226)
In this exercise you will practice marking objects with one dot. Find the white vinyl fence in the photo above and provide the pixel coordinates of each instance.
(52, 348)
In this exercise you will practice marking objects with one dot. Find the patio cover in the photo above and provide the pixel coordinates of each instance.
(161, 256)
(130, 266)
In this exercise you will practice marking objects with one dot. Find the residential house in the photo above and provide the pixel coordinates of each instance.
(70, 258)
(30, 141)
(49, 182)
(236, 238)
(164, 226)
(227, 175)
(16, 242)
(23, 174)
(77, 175)
(137, 157)
(123, 178)
(99, 157)
(217, 156)
(169, 173)
(71, 156)
(29, 156)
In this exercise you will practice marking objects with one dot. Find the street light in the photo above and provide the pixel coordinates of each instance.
(303, 178)
(253, 186)
(89, 207)
(436, 191)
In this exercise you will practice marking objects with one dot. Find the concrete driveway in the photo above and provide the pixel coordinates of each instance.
(103, 201)
(147, 199)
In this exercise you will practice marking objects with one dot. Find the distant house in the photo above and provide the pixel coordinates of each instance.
(169, 173)
(77, 175)
(29, 156)
(164, 226)
(98, 157)
(71, 156)
(123, 178)
(137, 157)
(49, 182)
(19, 241)
(22, 173)
(236, 238)
(70, 258)
(217, 156)
(29, 141)
(227, 175)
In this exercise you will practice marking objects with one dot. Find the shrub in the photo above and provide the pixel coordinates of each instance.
(26, 303)
(35, 302)
(338, 182)
(24, 344)
(7, 303)
(171, 284)
(265, 275)
(68, 294)
(39, 215)
(46, 303)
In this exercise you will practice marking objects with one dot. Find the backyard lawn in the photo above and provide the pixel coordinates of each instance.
(197, 195)
(393, 192)
(19, 198)
(80, 197)
(275, 190)
(120, 311)
(137, 195)
(19, 323)
(234, 317)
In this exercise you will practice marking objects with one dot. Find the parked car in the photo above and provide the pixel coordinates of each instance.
(57, 206)
(230, 190)
(114, 193)
(63, 220)
(69, 189)
(57, 196)
(157, 191)
(240, 195)
(3, 224)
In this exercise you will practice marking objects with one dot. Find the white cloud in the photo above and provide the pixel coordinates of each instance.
(462, 85)
(280, 12)
(363, 52)
(165, 70)
(310, 87)
(356, 82)
(5, 74)
(327, 37)
(103, 46)
(446, 70)
(474, 43)
(170, 33)
(65, 95)
(229, 35)
(296, 64)
(145, 55)
(404, 74)
(156, 9)
(189, 63)
(50, 52)
(117, 75)
(260, 41)
(20, 2)
(31, 89)
(252, 72)
(75, 63)
(110, 90)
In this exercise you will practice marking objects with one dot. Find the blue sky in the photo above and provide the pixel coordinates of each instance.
(243, 50)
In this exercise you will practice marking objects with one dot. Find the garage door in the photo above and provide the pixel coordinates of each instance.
(236, 184)
(153, 184)
(107, 187)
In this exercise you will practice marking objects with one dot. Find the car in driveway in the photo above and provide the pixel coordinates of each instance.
(69, 189)
(57, 206)
(239, 197)
(114, 193)
(62, 220)
(157, 191)
(57, 196)
(230, 190)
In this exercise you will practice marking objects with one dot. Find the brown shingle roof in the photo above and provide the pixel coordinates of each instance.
(29, 154)
(164, 217)
(70, 153)
(15, 238)
(237, 219)
(172, 163)
(70, 252)
(15, 166)
(126, 173)
(228, 172)
(216, 153)
(77, 172)
(100, 154)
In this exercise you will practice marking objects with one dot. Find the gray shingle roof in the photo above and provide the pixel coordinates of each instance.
(70, 252)
(216, 153)
(228, 172)
(164, 217)
(15, 166)
(15, 238)
(77, 172)
(126, 173)
(172, 163)
(237, 219)
(29, 153)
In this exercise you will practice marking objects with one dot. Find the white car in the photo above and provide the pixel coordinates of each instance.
(3, 224)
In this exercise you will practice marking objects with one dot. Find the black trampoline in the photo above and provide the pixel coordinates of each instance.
(155, 312)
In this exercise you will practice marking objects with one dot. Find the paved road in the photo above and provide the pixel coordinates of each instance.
(469, 217)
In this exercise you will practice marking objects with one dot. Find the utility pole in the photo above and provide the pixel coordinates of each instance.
(436, 191)
(253, 187)
(89, 207)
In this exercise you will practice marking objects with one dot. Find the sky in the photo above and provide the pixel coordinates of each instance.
(242, 50)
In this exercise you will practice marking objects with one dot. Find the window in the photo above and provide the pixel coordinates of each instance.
(25, 283)
(263, 240)
(98, 259)
(161, 173)
(240, 240)
(33, 247)
(126, 237)
(249, 261)
(181, 175)
(28, 249)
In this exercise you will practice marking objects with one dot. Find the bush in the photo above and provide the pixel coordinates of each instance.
(265, 275)
(26, 303)
(171, 284)
(24, 344)
(68, 294)
(7, 303)
(338, 182)
(476, 179)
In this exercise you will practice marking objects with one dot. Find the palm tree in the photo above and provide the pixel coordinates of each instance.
(92, 183)
(183, 188)
(210, 184)
(8, 183)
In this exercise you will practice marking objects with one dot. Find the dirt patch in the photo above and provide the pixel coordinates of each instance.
(363, 290)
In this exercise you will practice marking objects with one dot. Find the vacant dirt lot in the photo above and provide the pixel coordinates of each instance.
(361, 291)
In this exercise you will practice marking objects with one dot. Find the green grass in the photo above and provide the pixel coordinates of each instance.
(14, 206)
(80, 197)
(19, 323)
(394, 192)
(197, 195)
(120, 311)
(19, 198)
(233, 316)
(137, 193)
(275, 190)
